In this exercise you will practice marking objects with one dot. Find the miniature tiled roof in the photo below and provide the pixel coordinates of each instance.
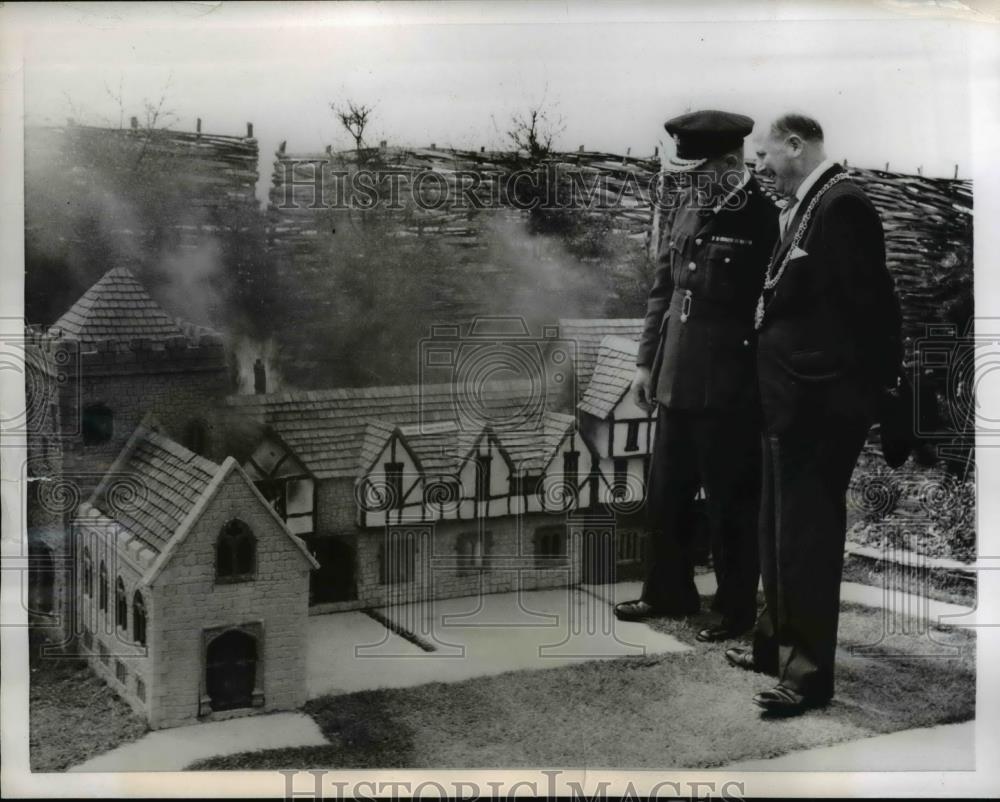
(155, 491)
(326, 429)
(441, 447)
(377, 432)
(587, 333)
(438, 446)
(118, 308)
(162, 481)
(611, 377)
(532, 451)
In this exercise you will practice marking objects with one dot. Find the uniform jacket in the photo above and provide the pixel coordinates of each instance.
(702, 350)
(830, 339)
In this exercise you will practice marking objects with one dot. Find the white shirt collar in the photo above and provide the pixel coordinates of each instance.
(812, 178)
(743, 182)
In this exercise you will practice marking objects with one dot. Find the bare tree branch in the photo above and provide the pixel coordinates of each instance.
(535, 130)
(354, 117)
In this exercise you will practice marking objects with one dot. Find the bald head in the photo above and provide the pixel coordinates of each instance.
(791, 150)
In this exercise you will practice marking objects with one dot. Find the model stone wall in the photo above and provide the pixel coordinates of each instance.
(111, 648)
(444, 564)
(179, 384)
(192, 606)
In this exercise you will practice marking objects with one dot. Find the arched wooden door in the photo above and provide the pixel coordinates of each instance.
(231, 670)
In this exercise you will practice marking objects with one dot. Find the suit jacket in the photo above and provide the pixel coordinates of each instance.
(701, 350)
(831, 335)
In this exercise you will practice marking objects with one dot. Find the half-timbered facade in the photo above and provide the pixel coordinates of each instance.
(618, 430)
(399, 497)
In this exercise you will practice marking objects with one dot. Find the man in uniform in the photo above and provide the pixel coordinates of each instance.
(696, 362)
(829, 348)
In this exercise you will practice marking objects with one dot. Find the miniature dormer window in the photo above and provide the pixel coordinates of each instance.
(394, 485)
(482, 478)
(138, 619)
(102, 589)
(97, 425)
(571, 471)
(632, 436)
(235, 553)
(121, 605)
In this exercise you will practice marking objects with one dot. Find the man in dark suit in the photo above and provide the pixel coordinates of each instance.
(829, 345)
(696, 362)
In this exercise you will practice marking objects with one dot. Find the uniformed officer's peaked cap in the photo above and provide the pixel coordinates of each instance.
(701, 135)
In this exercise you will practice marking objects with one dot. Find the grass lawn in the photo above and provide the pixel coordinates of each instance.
(74, 714)
(684, 710)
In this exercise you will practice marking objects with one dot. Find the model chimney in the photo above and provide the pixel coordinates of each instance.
(259, 377)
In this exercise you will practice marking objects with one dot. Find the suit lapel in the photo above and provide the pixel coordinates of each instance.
(782, 246)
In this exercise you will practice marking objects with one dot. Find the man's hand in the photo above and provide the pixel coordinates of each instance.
(642, 389)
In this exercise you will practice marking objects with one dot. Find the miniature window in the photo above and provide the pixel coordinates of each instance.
(140, 689)
(103, 588)
(550, 546)
(528, 484)
(235, 553)
(138, 619)
(394, 485)
(620, 489)
(632, 436)
(98, 424)
(121, 672)
(571, 470)
(482, 478)
(121, 605)
(105, 655)
(571, 467)
(473, 551)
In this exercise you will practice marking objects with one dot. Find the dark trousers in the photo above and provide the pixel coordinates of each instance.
(802, 529)
(721, 453)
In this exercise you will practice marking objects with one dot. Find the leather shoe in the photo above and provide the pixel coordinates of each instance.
(719, 632)
(635, 610)
(741, 658)
(782, 701)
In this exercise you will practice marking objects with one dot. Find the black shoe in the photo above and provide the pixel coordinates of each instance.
(782, 701)
(639, 610)
(635, 610)
(741, 658)
(720, 632)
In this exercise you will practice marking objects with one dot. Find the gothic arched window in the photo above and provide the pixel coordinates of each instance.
(138, 619)
(235, 553)
(121, 605)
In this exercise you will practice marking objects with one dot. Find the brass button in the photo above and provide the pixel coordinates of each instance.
(746, 342)
(698, 241)
(726, 260)
(692, 266)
